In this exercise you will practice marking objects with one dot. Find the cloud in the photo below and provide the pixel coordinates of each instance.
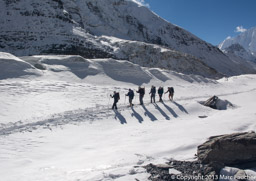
(141, 2)
(240, 29)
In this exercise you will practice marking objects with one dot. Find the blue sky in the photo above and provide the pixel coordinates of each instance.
(210, 20)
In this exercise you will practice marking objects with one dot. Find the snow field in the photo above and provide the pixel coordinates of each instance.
(58, 125)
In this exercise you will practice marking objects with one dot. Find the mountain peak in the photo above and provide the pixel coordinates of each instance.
(246, 39)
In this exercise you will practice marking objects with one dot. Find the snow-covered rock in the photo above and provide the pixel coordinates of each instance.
(151, 55)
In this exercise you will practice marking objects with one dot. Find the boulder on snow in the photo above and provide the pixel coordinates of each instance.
(216, 103)
(237, 148)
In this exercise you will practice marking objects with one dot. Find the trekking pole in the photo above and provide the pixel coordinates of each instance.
(135, 95)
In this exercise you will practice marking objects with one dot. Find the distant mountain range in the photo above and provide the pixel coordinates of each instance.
(243, 45)
(118, 29)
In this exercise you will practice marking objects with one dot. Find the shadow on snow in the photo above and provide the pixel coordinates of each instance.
(149, 114)
(119, 116)
(137, 115)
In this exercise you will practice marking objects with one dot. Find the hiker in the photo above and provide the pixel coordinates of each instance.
(160, 92)
(171, 93)
(141, 91)
(116, 97)
(153, 93)
(130, 94)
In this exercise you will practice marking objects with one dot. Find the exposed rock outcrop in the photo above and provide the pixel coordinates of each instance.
(230, 149)
(238, 149)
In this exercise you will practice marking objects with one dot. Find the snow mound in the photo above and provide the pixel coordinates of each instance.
(223, 104)
(125, 71)
(13, 67)
(117, 70)
(78, 65)
(104, 71)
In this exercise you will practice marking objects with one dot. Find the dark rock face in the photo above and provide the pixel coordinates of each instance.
(230, 149)
(235, 47)
(191, 170)
(238, 150)
(32, 27)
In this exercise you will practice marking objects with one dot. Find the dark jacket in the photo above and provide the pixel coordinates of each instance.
(130, 94)
(170, 90)
(153, 91)
(116, 97)
(141, 91)
(160, 90)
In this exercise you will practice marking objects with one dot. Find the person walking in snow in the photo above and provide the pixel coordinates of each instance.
(130, 94)
(160, 92)
(116, 97)
(153, 93)
(171, 93)
(141, 91)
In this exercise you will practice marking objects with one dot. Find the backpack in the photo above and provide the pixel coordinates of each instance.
(117, 96)
(142, 91)
(171, 89)
(153, 90)
(132, 94)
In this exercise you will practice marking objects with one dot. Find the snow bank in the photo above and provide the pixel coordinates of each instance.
(223, 104)
(104, 71)
(78, 65)
(13, 67)
(125, 71)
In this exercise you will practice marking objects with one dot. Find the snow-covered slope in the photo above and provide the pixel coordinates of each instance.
(32, 27)
(239, 51)
(128, 20)
(56, 69)
(151, 55)
(58, 126)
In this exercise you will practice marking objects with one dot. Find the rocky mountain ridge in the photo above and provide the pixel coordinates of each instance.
(87, 28)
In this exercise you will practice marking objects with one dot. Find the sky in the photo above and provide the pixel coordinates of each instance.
(210, 20)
